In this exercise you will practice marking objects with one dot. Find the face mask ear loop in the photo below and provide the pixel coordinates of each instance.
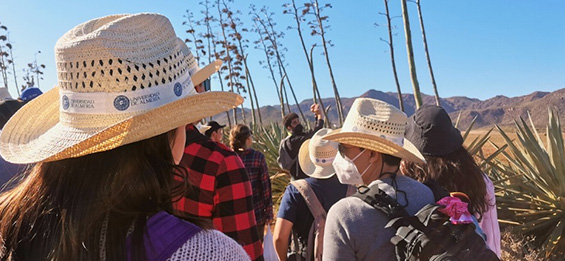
(394, 184)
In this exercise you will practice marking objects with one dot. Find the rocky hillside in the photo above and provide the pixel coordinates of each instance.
(500, 110)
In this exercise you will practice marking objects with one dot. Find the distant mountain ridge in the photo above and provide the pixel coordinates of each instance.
(499, 110)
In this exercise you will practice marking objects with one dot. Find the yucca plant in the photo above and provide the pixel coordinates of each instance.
(531, 184)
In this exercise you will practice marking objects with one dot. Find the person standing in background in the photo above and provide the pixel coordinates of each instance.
(215, 131)
(221, 188)
(241, 140)
(450, 165)
(289, 147)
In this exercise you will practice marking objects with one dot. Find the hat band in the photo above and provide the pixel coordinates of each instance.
(318, 161)
(126, 102)
(395, 139)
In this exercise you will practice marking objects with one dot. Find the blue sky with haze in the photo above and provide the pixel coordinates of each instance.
(478, 48)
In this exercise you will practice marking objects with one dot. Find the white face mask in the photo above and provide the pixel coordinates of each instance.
(346, 170)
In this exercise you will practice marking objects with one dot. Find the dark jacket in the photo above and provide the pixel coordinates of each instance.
(291, 146)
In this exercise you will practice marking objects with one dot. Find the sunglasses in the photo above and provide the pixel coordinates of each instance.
(342, 149)
(206, 84)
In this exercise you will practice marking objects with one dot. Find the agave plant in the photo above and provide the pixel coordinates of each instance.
(475, 147)
(531, 184)
(267, 140)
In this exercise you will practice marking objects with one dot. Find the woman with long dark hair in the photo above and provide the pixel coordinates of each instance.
(107, 141)
(241, 140)
(449, 164)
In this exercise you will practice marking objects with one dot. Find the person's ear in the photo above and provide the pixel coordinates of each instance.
(289, 128)
(403, 168)
(374, 156)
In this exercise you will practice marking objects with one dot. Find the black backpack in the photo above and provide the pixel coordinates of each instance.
(428, 235)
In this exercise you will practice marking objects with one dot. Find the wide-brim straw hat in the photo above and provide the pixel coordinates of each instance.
(316, 155)
(378, 126)
(121, 79)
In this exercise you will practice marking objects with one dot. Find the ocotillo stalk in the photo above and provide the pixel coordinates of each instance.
(410, 51)
(282, 97)
(339, 107)
(308, 58)
(228, 57)
(314, 85)
(254, 94)
(265, 47)
(280, 62)
(317, 91)
(393, 61)
(424, 39)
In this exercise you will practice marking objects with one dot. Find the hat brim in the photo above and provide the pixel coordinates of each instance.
(371, 142)
(204, 73)
(35, 134)
(308, 167)
(203, 129)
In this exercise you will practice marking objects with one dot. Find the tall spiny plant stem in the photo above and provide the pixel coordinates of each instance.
(227, 58)
(424, 39)
(266, 47)
(410, 51)
(9, 45)
(3, 63)
(234, 24)
(282, 97)
(254, 94)
(392, 60)
(320, 22)
(328, 123)
(280, 61)
(299, 18)
(198, 44)
(211, 40)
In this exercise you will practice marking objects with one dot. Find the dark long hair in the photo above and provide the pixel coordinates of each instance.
(456, 172)
(238, 137)
(84, 208)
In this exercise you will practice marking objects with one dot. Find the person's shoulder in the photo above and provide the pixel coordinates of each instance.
(257, 153)
(351, 207)
(210, 245)
(408, 181)
(223, 149)
(216, 147)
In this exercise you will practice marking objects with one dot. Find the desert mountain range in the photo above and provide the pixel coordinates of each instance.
(499, 110)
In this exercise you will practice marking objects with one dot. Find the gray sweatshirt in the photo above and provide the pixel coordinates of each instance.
(355, 230)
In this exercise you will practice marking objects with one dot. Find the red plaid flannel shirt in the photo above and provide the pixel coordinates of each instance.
(257, 171)
(221, 190)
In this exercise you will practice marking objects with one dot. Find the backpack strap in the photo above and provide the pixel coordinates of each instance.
(350, 190)
(377, 198)
(310, 197)
(439, 191)
(164, 236)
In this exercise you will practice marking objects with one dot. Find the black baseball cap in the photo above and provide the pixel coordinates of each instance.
(214, 126)
(430, 129)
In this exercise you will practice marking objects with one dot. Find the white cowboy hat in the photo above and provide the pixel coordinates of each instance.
(378, 126)
(121, 79)
(316, 156)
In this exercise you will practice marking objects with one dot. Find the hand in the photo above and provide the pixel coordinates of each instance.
(315, 108)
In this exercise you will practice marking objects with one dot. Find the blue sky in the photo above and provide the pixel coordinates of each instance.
(479, 49)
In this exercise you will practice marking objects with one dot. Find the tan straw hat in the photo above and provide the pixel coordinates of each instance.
(378, 126)
(316, 156)
(122, 79)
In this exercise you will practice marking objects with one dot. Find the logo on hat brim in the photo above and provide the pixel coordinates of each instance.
(121, 103)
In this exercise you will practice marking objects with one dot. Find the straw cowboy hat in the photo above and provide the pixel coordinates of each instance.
(316, 156)
(121, 79)
(378, 126)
